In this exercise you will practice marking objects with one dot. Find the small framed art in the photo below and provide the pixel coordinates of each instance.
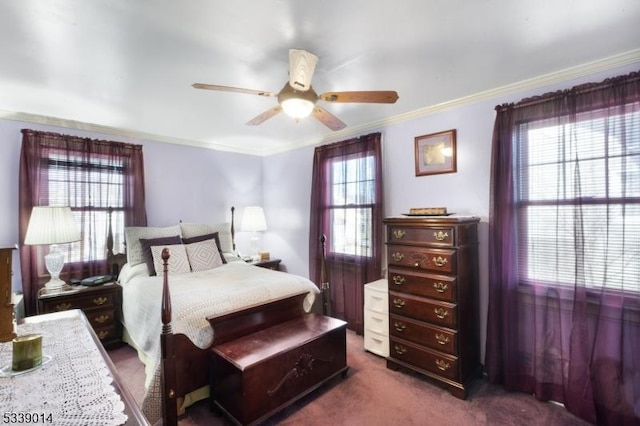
(436, 153)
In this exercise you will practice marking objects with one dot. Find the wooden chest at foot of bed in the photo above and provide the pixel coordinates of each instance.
(261, 373)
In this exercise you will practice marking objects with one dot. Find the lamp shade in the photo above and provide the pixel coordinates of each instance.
(51, 225)
(253, 219)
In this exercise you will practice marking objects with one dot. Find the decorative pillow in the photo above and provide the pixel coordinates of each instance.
(148, 243)
(178, 261)
(206, 237)
(203, 255)
(189, 230)
(133, 234)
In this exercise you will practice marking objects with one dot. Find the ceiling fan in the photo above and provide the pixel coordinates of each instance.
(298, 99)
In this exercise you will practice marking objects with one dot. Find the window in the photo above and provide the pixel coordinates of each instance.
(351, 206)
(90, 187)
(579, 182)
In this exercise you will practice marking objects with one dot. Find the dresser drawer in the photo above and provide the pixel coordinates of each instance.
(100, 318)
(107, 333)
(440, 287)
(376, 321)
(442, 339)
(438, 260)
(376, 343)
(427, 359)
(443, 236)
(83, 302)
(376, 300)
(432, 311)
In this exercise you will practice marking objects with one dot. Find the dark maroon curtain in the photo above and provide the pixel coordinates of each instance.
(89, 175)
(347, 273)
(577, 343)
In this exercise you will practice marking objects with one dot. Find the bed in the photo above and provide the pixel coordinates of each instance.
(166, 315)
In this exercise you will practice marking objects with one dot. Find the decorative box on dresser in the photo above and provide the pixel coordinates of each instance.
(433, 298)
(376, 317)
(100, 304)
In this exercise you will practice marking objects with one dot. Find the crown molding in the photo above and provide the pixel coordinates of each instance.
(602, 65)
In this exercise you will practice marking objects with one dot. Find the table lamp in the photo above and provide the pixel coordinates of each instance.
(253, 221)
(52, 226)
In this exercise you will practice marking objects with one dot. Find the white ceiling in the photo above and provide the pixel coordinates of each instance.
(126, 67)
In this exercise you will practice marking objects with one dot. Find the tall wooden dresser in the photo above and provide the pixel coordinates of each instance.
(433, 298)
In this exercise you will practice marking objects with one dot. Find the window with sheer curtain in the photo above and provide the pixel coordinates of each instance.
(91, 176)
(564, 242)
(594, 162)
(90, 188)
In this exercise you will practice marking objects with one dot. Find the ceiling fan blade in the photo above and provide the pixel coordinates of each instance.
(232, 89)
(302, 64)
(328, 119)
(261, 118)
(374, 97)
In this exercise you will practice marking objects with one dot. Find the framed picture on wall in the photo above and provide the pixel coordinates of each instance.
(436, 153)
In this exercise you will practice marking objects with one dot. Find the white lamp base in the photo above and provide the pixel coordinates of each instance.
(54, 262)
(55, 285)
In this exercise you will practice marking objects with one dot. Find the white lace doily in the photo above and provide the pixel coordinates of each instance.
(74, 388)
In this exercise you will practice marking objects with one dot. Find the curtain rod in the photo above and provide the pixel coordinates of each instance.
(577, 90)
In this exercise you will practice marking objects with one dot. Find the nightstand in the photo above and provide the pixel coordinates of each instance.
(269, 264)
(100, 304)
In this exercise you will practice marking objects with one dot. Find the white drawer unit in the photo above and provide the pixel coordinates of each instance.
(376, 317)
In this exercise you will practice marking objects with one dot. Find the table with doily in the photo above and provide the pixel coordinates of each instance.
(76, 384)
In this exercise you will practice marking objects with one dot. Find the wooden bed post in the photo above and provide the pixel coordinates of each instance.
(168, 373)
(325, 287)
(233, 230)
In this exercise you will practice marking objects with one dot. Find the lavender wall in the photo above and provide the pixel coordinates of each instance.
(194, 184)
(288, 178)
(182, 182)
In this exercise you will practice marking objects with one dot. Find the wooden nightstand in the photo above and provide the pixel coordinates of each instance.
(269, 264)
(100, 303)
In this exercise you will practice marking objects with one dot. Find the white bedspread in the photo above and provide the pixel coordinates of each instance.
(194, 296)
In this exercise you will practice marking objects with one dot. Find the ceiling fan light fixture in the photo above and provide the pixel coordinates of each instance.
(295, 103)
(297, 108)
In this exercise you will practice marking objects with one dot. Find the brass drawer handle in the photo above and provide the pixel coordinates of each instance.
(441, 312)
(102, 334)
(442, 364)
(440, 287)
(398, 279)
(101, 319)
(399, 233)
(400, 349)
(440, 235)
(399, 303)
(397, 256)
(442, 339)
(100, 300)
(399, 326)
(63, 306)
(440, 261)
